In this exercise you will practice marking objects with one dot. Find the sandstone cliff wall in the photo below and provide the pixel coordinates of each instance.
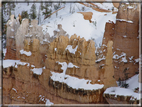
(124, 34)
(23, 81)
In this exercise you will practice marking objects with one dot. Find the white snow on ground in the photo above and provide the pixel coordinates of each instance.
(115, 56)
(70, 65)
(122, 91)
(37, 71)
(64, 66)
(133, 83)
(21, 63)
(124, 59)
(4, 51)
(73, 82)
(71, 50)
(32, 66)
(137, 60)
(106, 6)
(100, 59)
(7, 63)
(25, 52)
(130, 7)
(74, 23)
(47, 101)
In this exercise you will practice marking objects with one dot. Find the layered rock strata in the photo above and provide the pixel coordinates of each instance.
(23, 79)
(124, 33)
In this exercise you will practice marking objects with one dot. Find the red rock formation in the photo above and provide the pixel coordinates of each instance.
(125, 37)
(12, 26)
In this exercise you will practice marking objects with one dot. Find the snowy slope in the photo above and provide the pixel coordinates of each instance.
(133, 83)
(74, 23)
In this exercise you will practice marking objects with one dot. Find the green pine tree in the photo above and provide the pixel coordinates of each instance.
(46, 9)
(33, 12)
(25, 14)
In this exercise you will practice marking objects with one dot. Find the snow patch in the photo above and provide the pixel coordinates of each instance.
(71, 50)
(47, 101)
(137, 60)
(55, 49)
(74, 82)
(7, 63)
(100, 59)
(115, 56)
(12, 30)
(25, 52)
(130, 7)
(33, 66)
(37, 71)
(122, 92)
(124, 36)
(70, 65)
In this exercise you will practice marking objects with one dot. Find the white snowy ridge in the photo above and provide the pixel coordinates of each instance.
(121, 91)
(71, 81)
(37, 71)
(74, 82)
(133, 83)
(22, 63)
(25, 52)
(7, 63)
(70, 65)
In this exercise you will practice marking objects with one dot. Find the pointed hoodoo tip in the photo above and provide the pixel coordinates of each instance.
(59, 26)
(12, 17)
(34, 22)
(110, 43)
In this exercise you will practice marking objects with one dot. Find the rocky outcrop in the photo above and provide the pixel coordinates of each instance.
(76, 50)
(16, 34)
(109, 80)
(58, 32)
(12, 26)
(31, 53)
(87, 15)
(120, 99)
(124, 34)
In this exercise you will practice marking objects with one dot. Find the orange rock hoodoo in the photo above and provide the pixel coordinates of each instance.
(119, 51)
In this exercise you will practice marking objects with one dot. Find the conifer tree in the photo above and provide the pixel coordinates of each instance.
(46, 9)
(33, 12)
(24, 14)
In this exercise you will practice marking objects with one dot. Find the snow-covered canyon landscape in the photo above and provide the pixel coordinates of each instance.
(71, 52)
